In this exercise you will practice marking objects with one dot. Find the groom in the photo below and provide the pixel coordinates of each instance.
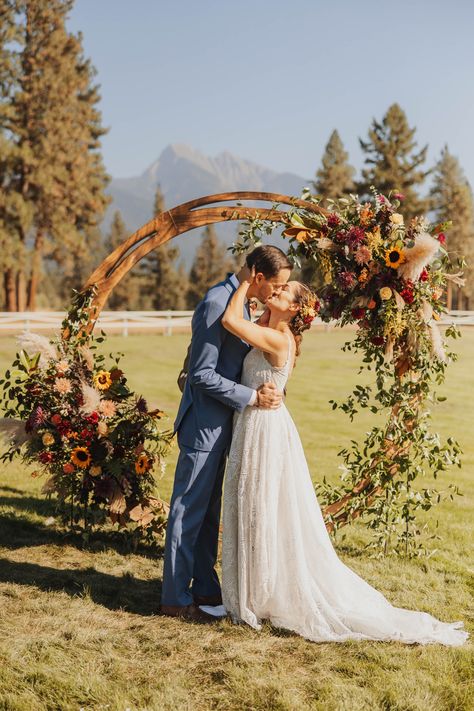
(204, 425)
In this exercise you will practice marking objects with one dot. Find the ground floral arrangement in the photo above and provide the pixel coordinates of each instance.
(93, 440)
(387, 277)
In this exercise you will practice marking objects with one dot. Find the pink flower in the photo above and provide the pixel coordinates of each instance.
(107, 408)
(398, 196)
(68, 468)
(442, 238)
(363, 255)
(62, 386)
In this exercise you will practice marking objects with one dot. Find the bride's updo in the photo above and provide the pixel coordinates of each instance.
(309, 307)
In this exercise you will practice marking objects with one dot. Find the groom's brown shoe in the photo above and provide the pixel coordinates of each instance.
(212, 600)
(190, 613)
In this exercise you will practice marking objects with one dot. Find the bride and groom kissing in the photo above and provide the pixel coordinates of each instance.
(278, 562)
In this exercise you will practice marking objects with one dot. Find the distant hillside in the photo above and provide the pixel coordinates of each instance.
(183, 174)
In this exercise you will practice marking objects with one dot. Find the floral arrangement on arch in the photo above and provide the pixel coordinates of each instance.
(388, 277)
(88, 434)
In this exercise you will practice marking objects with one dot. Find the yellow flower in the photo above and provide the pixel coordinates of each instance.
(80, 457)
(394, 257)
(95, 470)
(48, 439)
(385, 293)
(396, 219)
(374, 239)
(143, 463)
(102, 380)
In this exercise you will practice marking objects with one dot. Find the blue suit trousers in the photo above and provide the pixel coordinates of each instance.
(193, 527)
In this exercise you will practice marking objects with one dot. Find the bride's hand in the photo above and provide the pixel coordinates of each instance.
(268, 397)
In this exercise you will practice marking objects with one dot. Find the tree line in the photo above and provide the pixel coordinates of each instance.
(53, 180)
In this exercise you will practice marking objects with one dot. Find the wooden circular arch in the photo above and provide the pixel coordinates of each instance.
(200, 213)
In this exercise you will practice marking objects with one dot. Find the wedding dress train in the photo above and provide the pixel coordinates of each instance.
(278, 562)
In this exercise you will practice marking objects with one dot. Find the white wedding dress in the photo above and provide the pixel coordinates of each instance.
(278, 562)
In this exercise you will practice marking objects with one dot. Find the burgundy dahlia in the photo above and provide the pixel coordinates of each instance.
(377, 340)
(358, 313)
(346, 280)
(355, 236)
(333, 220)
(424, 275)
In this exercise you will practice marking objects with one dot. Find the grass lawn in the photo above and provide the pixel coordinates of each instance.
(78, 628)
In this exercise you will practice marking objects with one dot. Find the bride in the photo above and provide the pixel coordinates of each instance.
(278, 563)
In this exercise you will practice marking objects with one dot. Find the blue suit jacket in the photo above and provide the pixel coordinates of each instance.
(212, 392)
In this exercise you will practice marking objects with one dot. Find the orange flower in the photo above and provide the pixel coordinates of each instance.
(80, 457)
(372, 304)
(144, 463)
(300, 234)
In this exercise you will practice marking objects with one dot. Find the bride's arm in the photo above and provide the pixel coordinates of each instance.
(266, 339)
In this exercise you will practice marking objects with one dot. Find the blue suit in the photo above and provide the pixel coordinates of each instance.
(204, 425)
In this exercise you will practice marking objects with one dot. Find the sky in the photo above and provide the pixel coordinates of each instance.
(269, 81)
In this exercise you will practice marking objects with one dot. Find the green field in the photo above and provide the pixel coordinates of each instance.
(78, 628)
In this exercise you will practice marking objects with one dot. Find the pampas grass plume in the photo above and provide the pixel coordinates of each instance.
(437, 347)
(419, 256)
(33, 343)
(91, 399)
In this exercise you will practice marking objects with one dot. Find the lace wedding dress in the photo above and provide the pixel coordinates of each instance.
(278, 562)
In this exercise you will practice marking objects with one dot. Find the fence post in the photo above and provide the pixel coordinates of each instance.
(169, 324)
(125, 327)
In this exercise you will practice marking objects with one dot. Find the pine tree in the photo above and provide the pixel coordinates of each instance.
(392, 160)
(126, 294)
(335, 177)
(452, 199)
(49, 114)
(209, 267)
(165, 288)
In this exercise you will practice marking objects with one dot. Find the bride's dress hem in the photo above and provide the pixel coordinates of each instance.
(278, 562)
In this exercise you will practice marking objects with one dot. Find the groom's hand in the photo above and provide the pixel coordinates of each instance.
(268, 397)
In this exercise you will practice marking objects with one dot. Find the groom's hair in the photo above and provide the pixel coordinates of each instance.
(268, 260)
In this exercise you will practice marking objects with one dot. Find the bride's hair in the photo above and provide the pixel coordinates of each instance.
(309, 307)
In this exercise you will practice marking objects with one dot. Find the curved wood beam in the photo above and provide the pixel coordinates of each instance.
(188, 216)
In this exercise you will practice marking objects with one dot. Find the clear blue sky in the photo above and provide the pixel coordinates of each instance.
(269, 81)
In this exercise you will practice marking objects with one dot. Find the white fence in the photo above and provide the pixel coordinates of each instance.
(165, 322)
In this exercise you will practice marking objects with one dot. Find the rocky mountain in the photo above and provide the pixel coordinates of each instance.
(183, 174)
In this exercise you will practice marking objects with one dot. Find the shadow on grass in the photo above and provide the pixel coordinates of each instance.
(113, 592)
(17, 531)
(12, 490)
(31, 504)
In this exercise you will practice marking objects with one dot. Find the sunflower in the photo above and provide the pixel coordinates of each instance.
(143, 463)
(102, 380)
(394, 257)
(80, 457)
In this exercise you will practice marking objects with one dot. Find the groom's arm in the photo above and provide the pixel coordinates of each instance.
(208, 336)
